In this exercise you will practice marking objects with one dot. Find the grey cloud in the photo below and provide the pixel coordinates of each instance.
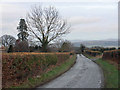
(61, 0)
(83, 20)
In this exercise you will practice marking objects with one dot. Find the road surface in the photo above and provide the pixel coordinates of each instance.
(84, 74)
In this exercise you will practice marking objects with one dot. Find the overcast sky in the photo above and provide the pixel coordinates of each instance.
(89, 19)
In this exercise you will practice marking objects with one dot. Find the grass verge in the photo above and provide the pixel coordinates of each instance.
(110, 73)
(48, 76)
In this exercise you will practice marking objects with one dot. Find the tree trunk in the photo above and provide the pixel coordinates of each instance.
(44, 47)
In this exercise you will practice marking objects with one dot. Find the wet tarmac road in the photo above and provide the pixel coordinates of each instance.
(84, 74)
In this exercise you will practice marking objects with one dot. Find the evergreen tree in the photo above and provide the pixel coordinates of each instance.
(22, 28)
(82, 48)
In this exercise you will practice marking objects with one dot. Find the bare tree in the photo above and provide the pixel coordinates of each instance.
(7, 40)
(21, 46)
(46, 25)
(67, 46)
(58, 43)
(31, 41)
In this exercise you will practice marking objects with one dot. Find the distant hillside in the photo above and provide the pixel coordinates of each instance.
(103, 43)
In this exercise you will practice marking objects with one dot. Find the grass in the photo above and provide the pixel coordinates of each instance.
(110, 73)
(45, 77)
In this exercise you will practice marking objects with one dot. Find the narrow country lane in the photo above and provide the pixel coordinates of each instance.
(84, 74)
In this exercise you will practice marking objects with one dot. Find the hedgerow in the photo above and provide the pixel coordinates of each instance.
(92, 53)
(18, 67)
(113, 55)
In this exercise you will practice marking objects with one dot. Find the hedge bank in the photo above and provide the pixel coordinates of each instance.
(19, 67)
(113, 55)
